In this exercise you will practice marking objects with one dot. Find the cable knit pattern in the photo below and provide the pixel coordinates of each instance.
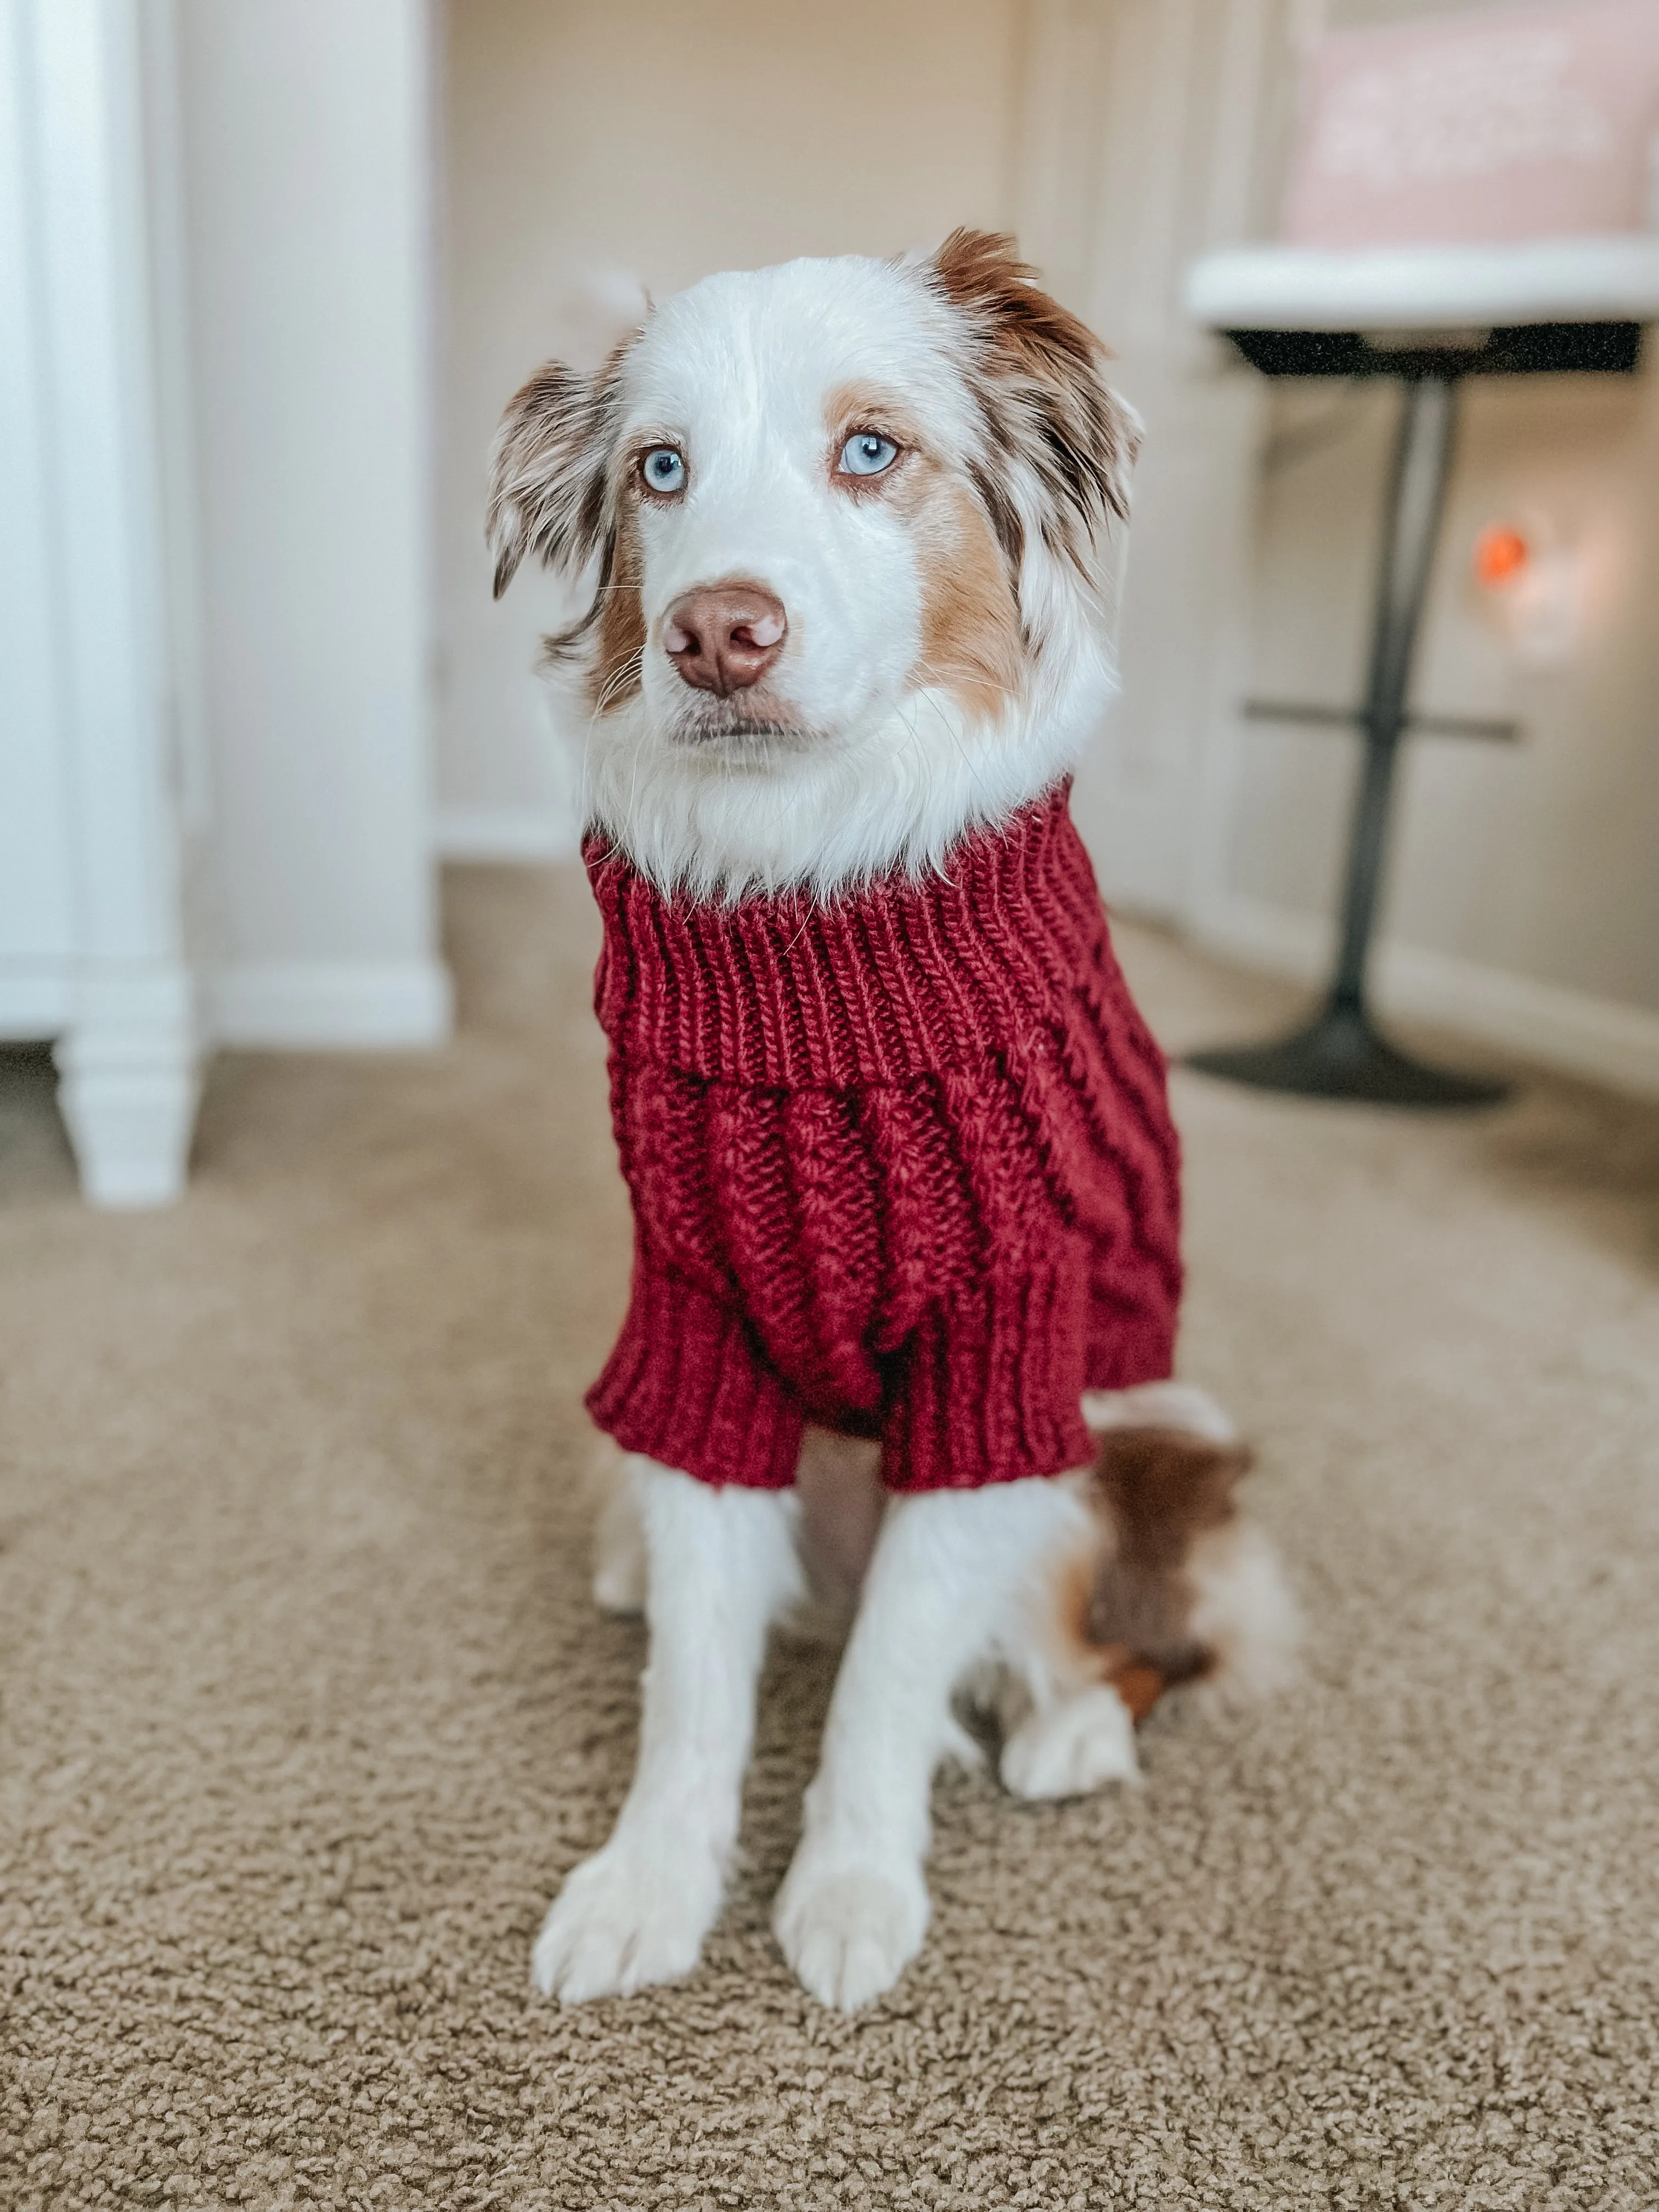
(901, 1163)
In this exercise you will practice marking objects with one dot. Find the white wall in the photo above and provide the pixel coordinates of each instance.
(1542, 857)
(307, 195)
(1524, 892)
(669, 141)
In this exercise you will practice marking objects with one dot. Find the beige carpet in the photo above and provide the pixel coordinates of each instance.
(306, 1711)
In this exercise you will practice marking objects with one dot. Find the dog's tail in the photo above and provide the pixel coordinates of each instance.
(1182, 1588)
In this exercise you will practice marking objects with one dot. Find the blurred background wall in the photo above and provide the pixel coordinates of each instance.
(306, 147)
(1524, 898)
(1538, 861)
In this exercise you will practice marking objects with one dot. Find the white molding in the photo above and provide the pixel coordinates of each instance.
(335, 1005)
(503, 833)
(300, 1004)
(1598, 1039)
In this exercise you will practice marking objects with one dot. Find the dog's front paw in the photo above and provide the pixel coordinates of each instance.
(632, 1915)
(849, 1931)
(1072, 1748)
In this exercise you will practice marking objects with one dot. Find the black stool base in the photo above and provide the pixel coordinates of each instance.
(1341, 1055)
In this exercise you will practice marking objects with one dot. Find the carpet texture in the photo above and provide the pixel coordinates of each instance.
(306, 1711)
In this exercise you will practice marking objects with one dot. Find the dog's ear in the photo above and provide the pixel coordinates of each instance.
(550, 470)
(1039, 376)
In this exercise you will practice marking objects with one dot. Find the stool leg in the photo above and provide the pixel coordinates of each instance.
(1342, 1054)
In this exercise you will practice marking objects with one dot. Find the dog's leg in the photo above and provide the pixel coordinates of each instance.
(1173, 1587)
(1064, 1737)
(949, 1572)
(1065, 1730)
(619, 1561)
(720, 1565)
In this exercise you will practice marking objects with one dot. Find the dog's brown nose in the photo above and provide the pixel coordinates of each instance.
(724, 637)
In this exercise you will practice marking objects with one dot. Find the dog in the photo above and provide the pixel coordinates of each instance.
(904, 1184)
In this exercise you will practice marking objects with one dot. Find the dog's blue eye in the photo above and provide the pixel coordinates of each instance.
(866, 454)
(663, 469)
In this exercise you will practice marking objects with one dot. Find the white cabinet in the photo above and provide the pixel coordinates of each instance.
(92, 938)
(215, 362)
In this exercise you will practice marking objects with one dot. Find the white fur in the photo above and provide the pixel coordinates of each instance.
(1170, 1405)
(1071, 1746)
(737, 371)
(957, 1598)
(721, 1564)
(953, 1580)
(950, 1573)
(1245, 1611)
(619, 1562)
(899, 796)
(1063, 1733)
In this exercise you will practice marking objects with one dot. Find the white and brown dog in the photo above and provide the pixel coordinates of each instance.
(845, 524)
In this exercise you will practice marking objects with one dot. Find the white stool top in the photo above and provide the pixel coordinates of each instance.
(1613, 279)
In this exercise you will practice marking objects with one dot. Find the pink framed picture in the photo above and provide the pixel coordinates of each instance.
(1504, 123)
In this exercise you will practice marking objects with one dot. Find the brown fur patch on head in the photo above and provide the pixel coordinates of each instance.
(982, 270)
(553, 493)
(971, 643)
(550, 470)
(1124, 1611)
(1038, 377)
(615, 676)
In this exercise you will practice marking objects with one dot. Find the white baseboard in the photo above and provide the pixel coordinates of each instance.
(327, 1004)
(503, 833)
(1597, 1038)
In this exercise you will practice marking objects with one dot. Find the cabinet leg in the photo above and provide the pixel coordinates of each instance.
(129, 1081)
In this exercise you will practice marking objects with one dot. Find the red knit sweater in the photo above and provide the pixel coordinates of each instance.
(902, 1165)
